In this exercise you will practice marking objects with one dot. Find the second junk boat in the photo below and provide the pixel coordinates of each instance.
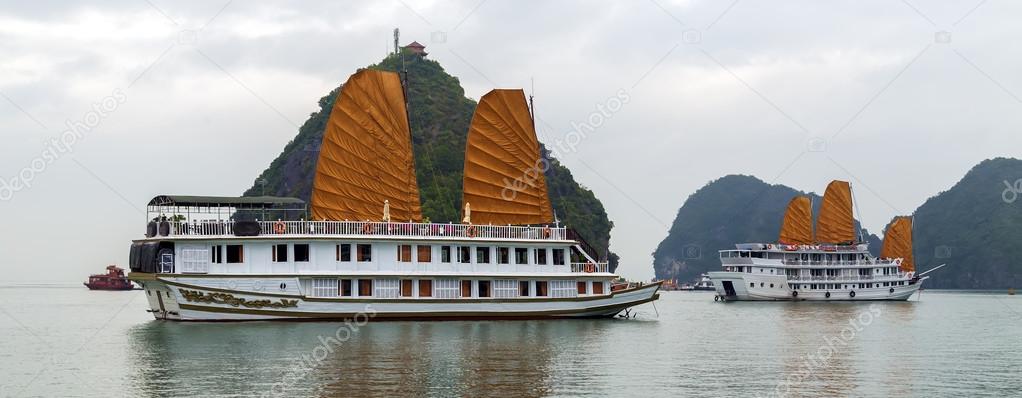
(830, 265)
(366, 250)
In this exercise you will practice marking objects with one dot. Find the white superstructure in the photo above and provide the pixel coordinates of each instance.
(756, 271)
(203, 270)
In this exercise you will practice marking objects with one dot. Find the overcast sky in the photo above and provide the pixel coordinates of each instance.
(197, 97)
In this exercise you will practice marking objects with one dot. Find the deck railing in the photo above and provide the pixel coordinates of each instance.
(590, 267)
(845, 278)
(434, 230)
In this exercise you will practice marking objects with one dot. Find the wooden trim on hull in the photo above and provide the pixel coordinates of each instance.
(592, 312)
(185, 309)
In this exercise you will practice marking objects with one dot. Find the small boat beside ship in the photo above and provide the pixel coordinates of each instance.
(113, 279)
(830, 263)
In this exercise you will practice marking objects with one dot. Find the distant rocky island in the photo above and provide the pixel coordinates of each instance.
(974, 227)
(439, 115)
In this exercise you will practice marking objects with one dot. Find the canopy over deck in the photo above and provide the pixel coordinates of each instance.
(243, 202)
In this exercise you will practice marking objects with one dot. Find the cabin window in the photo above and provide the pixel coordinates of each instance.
(343, 252)
(406, 288)
(280, 253)
(752, 284)
(346, 287)
(365, 287)
(484, 288)
(541, 288)
(424, 254)
(365, 253)
(217, 254)
(541, 256)
(523, 288)
(425, 288)
(505, 288)
(503, 256)
(597, 287)
(386, 288)
(404, 253)
(235, 254)
(464, 254)
(324, 287)
(302, 252)
(583, 287)
(446, 288)
(521, 255)
(466, 288)
(483, 255)
(558, 256)
(563, 288)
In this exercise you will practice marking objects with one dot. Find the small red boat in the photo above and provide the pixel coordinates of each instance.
(114, 279)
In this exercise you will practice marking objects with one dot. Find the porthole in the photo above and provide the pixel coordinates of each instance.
(761, 284)
(771, 285)
(283, 286)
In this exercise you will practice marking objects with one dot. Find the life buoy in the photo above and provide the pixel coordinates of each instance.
(794, 294)
(546, 232)
(367, 229)
(590, 268)
(891, 290)
(851, 294)
(827, 295)
(716, 298)
(471, 231)
(278, 227)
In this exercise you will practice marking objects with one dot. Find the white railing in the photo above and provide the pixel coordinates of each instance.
(433, 230)
(590, 267)
(844, 278)
(875, 262)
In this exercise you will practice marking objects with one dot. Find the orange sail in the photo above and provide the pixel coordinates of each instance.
(504, 181)
(366, 157)
(898, 243)
(835, 223)
(797, 227)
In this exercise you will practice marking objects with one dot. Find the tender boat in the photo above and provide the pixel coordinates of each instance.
(113, 279)
(365, 252)
(828, 265)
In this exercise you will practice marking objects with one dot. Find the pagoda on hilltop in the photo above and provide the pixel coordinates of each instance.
(416, 48)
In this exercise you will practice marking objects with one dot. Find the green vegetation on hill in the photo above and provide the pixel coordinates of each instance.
(732, 209)
(974, 229)
(439, 115)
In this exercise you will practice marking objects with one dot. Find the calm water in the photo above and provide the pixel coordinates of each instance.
(72, 342)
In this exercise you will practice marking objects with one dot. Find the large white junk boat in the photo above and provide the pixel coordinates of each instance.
(365, 250)
(829, 265)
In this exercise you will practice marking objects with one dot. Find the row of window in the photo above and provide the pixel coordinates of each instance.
(449, 288)
(424, 254)
(233, 254)
(829, 286)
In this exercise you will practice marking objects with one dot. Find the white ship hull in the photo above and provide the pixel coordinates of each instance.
(741, 286)
(191, 299)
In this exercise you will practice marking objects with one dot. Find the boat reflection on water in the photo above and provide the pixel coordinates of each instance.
(385, 358)
(830, 358)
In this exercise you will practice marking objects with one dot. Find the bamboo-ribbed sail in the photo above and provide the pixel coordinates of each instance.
(366, 156)
(504, 181)
(797, 227)
(898, 243)
(835, 223)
